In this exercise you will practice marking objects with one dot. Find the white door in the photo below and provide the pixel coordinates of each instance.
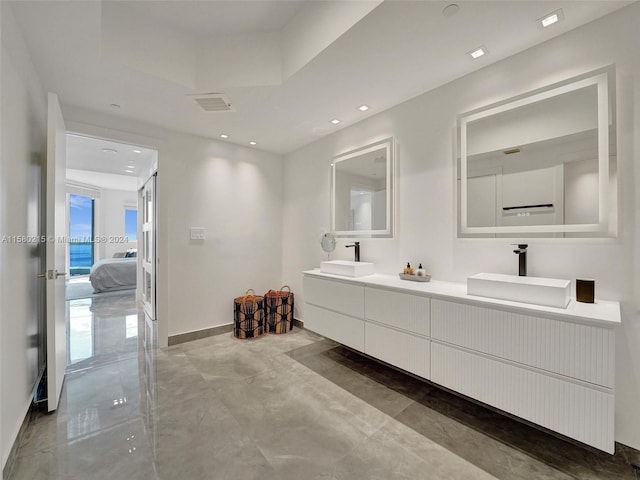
(55, 254)
(148, 247)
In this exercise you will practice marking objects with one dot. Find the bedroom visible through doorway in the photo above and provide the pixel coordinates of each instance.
(104, 179)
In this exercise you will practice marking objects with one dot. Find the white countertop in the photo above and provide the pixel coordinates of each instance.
(602, 312)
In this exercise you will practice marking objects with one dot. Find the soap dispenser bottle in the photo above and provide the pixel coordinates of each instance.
(407, 269)
(420, 271)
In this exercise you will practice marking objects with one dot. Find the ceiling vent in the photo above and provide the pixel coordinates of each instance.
(213, 102)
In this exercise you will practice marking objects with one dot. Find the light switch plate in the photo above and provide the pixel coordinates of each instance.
(197, 233)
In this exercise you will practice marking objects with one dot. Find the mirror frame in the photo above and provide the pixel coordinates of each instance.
(603, 79)
(389, 145)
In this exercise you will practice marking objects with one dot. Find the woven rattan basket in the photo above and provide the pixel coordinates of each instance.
(248, 315)
(279, 308)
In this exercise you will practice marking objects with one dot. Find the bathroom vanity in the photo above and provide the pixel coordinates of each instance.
(553, 367)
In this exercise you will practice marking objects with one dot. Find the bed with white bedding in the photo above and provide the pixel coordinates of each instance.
(113, 274)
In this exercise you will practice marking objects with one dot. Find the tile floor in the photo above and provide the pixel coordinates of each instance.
(294, 406)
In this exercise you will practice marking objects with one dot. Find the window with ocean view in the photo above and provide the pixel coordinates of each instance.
(131, 224)
(81, 223)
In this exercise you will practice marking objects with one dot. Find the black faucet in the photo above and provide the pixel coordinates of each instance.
(355, 245)
(522, 258)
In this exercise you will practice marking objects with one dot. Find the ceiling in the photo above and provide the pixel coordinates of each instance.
(288, 67)
(97, 155)
(231, 17)
(106, 164)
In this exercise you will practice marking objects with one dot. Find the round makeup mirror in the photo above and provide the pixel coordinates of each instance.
(328, 243)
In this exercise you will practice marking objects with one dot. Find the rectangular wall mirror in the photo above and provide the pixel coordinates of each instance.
(541, 164)
(362, 191)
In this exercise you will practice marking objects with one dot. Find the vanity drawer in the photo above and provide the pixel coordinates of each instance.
(580, 351)
(400, 349)
(401, 310)
(339, 296)
(342, 328)
(577, 411)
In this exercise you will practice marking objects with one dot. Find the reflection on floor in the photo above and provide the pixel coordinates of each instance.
(292, 406)
(101, 330)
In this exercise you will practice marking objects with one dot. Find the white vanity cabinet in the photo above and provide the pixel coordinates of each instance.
(397, 329)
(552, 367)
(398, 310)
(578, 351)
(554, 373)
(335, 309)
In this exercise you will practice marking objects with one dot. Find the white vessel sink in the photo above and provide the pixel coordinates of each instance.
(347, 268)
(549, 292)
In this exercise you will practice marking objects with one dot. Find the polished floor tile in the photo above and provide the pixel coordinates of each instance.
(281, 407)
(101, 330)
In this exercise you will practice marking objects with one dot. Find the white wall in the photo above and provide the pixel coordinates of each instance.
(424, 128)
(234, 192)
(23, 114)
(110, 221)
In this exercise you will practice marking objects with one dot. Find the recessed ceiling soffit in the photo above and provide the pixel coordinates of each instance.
(209, 63)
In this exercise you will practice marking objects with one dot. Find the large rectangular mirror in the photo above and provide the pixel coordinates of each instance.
(362, 191)
(542, 164)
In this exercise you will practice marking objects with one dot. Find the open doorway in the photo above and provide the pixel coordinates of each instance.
(103, 181)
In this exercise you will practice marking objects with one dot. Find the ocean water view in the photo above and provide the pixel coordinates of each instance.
(80, 257)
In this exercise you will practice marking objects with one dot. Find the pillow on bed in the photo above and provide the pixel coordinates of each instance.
(131, 253)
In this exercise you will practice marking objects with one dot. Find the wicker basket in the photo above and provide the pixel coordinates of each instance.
(279, 306)
(248, 314)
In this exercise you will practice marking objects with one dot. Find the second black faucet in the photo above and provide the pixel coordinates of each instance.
(521, 251)
(356, 246)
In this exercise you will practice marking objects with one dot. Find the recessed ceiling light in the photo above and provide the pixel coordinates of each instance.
(137, 151)
(477, 52)
(114, 105)
(129, 171)
(253, 143)
(363, 108)
(335, 121)
(550, 19)
(224, 135)
(109, 150)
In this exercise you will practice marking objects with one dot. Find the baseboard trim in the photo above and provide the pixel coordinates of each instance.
(198, 334)
(210, 332)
